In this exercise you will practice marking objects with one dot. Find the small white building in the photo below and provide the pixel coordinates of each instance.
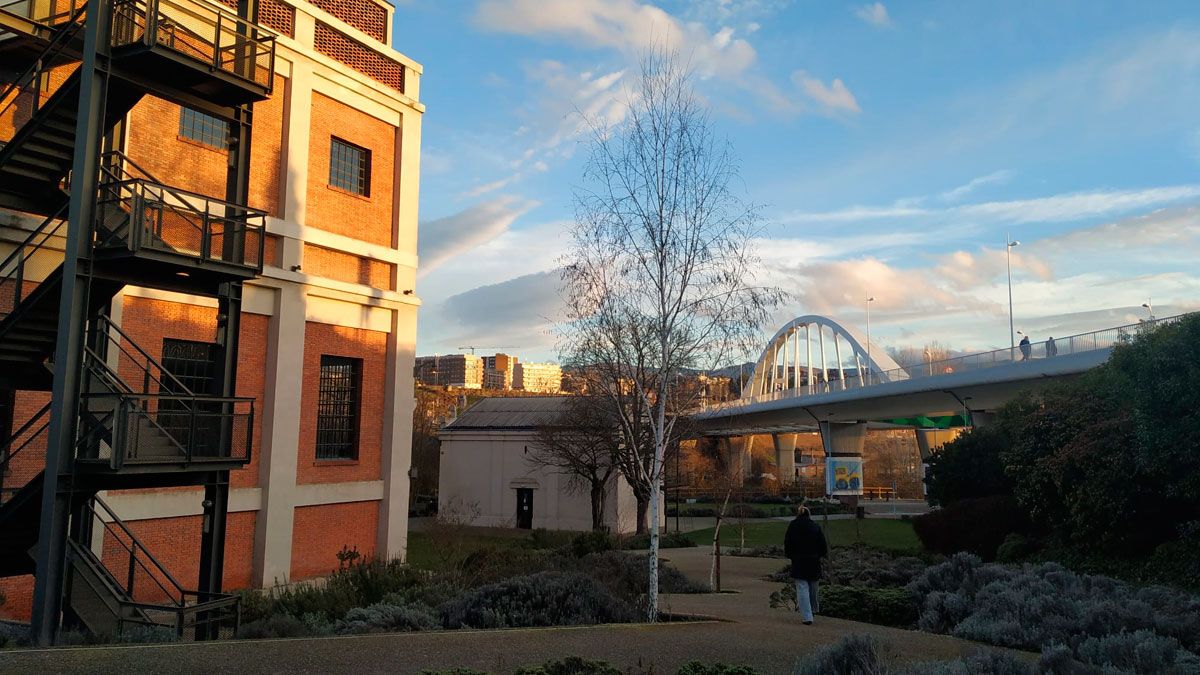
(486, 475)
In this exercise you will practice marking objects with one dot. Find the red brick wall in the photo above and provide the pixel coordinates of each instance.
(332, 264)
(18, 592)
(319, 532)
(175, 542)
(329, 208)
(371, 347)
(156, 146)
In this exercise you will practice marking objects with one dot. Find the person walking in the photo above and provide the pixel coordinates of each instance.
(804, 544)
(1026, 348)
(1051, 348)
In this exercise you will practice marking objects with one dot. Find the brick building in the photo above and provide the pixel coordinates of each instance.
(327, 330)
(498, 371)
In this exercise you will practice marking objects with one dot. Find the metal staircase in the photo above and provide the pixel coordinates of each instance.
(134, 424)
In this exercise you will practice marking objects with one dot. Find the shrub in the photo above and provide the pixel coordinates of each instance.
(1138, 652)
(572, 665)
(385, 618)
(885, 606)
(969, 467)
(1034, 606)
(852, 655)
(989, 662)
(977, 526)
(275, 626)
(542, 599)
(697, 668)
(148, 634)
(665, 540)
(1015, 547)
(863, 565)
(360, 583)
(594, 541)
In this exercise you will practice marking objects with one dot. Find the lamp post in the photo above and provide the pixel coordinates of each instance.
(1149, 307)
(1012, 335)
(868, 379)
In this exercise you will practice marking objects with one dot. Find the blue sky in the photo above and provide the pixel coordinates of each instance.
(891, 146)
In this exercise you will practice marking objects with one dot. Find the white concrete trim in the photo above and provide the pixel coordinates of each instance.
(130, 506)
(326, 239)
(322, 494)
(349, 315)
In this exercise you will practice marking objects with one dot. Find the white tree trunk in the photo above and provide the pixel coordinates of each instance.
(655, 493)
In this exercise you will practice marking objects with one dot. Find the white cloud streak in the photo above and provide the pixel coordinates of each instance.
(874, 14)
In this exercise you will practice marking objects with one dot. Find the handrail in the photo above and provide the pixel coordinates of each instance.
(1071, 344)
(6, 451)
(106, 326)
(132, 548)
(25, 250)
(34, 71)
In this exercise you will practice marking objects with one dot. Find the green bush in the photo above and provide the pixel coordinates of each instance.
(977, 526)
(969, 467)
(884, 606)
(542, 599)
(665, 540)
(853, 655)
(572, 665)
(274, 626)
(697, 668)
(593, 541)
(1014, 548)
(385, 618)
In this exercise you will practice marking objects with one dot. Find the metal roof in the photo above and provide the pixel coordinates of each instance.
(509, 413)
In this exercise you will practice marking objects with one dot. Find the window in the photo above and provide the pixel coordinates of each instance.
(337, 407)
(190, 367)
(350, 167)
(203, 128)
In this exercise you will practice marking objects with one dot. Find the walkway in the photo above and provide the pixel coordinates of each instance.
(750, 633)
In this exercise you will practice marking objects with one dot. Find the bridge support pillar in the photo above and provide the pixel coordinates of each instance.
(982, 418)
(844, 441)
(785, 457)
(930, 441)
(736, 451)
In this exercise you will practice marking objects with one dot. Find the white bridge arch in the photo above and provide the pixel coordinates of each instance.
(814, 354)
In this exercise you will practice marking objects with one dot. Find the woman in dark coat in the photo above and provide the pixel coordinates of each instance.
(805, 545)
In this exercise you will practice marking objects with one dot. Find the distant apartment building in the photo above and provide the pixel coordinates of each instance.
(451, 370)
(545, 378)
(498, 371)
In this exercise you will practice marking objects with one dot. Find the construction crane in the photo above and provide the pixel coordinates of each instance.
(474, 347)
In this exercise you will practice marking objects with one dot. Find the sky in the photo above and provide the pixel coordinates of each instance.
(892, 147)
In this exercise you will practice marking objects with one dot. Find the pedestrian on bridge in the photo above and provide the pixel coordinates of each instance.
(804, 544)
(1051, 348)
(1026, 348)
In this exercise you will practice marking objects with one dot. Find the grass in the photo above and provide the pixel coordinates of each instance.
(894, 535)
(423, 554)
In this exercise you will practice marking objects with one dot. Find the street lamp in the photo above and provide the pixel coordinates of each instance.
(868, 379)
(1010, 243)
(1148, 305)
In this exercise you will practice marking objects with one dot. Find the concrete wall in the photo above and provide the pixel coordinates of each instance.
(481, 470)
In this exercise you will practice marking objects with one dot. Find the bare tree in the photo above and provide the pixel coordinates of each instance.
(581, 443)
(659, 281)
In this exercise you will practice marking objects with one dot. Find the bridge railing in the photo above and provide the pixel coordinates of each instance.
(842, 380)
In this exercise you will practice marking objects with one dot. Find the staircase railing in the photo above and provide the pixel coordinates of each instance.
(32, 433)
(149, 594)
(29, 85)
(162, 421)
(169, 219)
(205, 32)
(12, 271)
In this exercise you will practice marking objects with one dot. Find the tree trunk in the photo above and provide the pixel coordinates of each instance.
(643, 506)
(598, 506)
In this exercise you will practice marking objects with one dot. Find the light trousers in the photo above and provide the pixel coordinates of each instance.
(807, 601)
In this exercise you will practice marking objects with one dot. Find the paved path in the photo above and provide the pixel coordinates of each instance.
(749, 633)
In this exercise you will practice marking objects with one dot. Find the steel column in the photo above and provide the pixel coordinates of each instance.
(51, 555)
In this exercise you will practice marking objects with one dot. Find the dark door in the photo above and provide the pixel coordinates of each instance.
(525, 508)
(195, 424)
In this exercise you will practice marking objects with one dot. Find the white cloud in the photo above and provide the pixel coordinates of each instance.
(875, 14)
(445, 238)
(1055, 208)
(625, 25)
(834, 97)
(993, 178)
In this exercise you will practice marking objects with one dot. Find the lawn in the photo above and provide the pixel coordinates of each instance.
(895, 535)
(423, 553)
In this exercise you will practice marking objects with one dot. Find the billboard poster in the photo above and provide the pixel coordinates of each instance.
(843, 476)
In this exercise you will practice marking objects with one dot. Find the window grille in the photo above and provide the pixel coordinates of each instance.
(349, 167)
(337, 407)
(203, 128)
